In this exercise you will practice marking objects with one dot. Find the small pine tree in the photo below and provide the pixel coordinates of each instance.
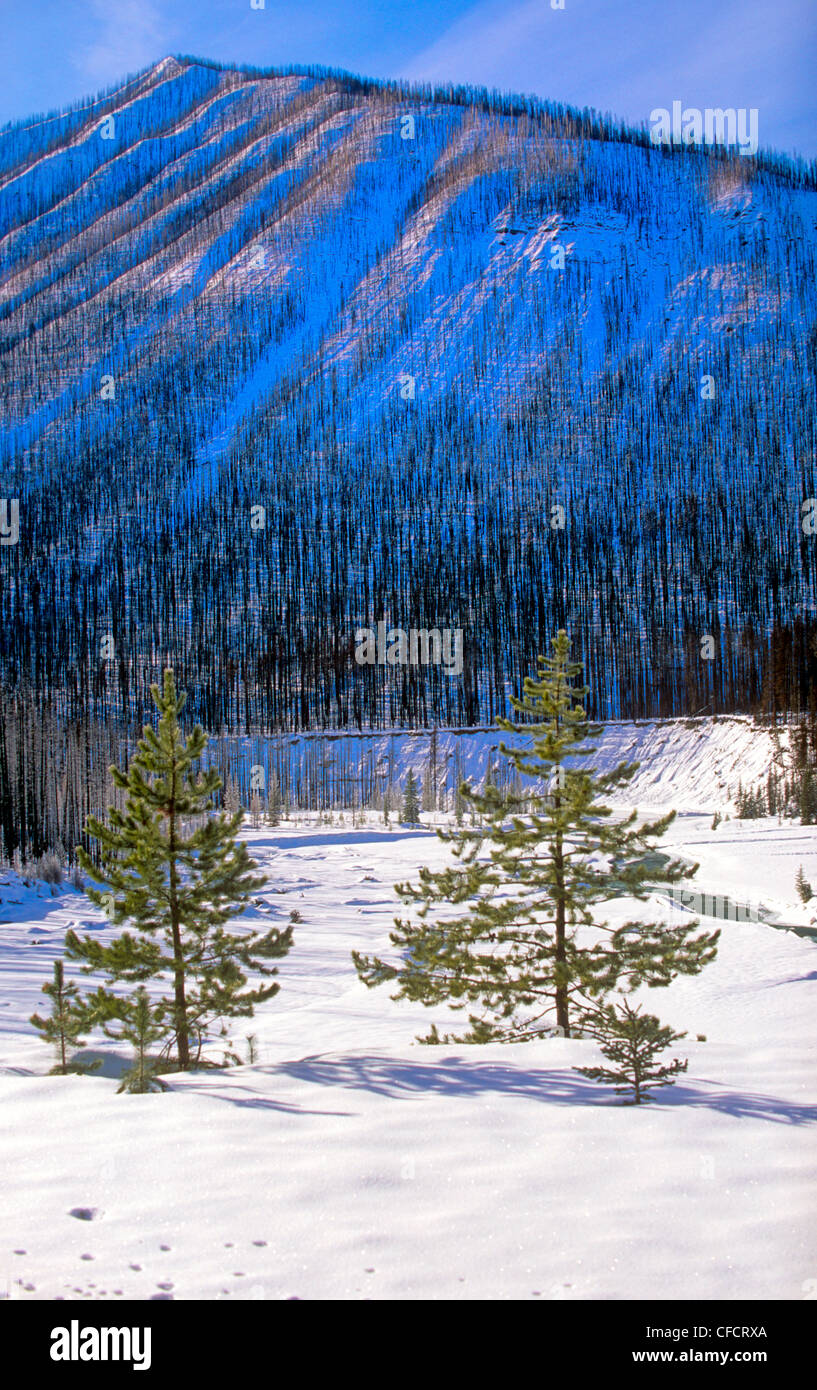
(807, 797)
(70, 1017)
(410, 814)
(274, 800)
(231, 796)
(631, 1042)
(141, 1024)
(179, 888)
(804, 888)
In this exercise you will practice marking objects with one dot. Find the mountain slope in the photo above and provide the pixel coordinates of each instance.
(222, 291)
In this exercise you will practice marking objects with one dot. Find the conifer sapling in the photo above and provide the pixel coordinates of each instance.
(410, 814)
(70, 1017)
(141, 1024)
(804, 889)
(178, 887)
(631, 1041)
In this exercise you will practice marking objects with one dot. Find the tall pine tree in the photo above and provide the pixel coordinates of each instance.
(526, 945)
(178, 886)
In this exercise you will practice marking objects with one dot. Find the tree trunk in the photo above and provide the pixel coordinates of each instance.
(180, 1002)
(562, 1009)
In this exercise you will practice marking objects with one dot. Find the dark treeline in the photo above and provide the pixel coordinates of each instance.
(55, 769)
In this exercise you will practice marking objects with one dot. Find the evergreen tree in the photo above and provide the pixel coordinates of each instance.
(631, 1042)
(410, 814)
(141, 1024)
(807, 797)
(274, 800)
(177, 886)
(804, 889)
(527, 943)
(69, 1019)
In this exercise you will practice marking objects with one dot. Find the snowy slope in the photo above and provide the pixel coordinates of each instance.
(688, 764)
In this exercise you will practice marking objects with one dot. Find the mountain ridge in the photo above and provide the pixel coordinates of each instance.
(407, 352)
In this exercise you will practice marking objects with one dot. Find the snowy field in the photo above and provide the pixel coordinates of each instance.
(350, 1162)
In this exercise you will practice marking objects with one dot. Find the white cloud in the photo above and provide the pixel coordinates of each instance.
(127, 35)
(629, 58)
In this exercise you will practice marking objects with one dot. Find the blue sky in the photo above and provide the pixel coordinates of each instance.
(624, 56)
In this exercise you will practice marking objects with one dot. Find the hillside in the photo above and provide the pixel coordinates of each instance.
(226, 291)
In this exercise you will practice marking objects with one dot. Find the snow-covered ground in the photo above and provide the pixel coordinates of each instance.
(351, 1162)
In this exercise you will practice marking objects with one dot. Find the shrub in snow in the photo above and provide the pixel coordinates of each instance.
(631, 1042)
(804, 888)
(49, 869)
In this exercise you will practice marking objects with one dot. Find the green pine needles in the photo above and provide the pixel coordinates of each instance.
(410, 813)
(69, 1019)
(631, 1042)
(509, 930)
(173, 868)
(143, 1025)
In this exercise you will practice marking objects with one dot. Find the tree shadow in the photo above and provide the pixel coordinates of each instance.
(795, 979)
(253, 1101)
(458, 1077)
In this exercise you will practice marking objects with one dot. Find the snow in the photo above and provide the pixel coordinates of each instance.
(351, 1162)
(692, 764)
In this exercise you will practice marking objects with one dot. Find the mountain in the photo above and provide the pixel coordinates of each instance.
(285, 354)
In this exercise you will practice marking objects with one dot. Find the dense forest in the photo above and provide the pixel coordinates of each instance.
(288, 353)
